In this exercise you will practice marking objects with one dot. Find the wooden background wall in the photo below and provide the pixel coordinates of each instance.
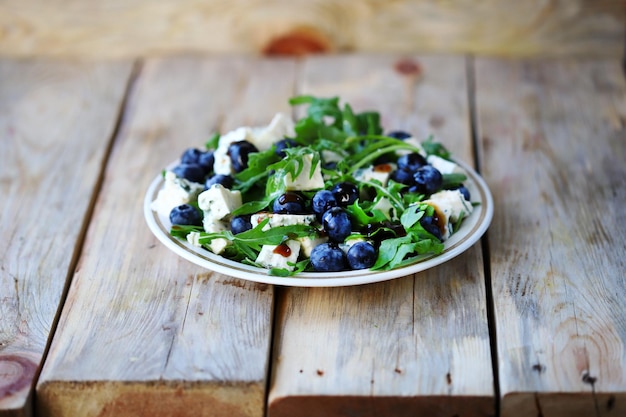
(130, 28)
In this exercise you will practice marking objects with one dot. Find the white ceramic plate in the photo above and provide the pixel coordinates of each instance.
(473, 227)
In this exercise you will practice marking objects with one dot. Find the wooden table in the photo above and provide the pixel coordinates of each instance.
(97, 318)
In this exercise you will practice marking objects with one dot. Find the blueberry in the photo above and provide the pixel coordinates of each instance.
(403, 177)
(336, 224)
(399, 134)
(289, 203)
(239, 153)
(428, 179)
(191, 172)
(240, 224)
(431, 225)
(345, 193)
(190, 156)
(361, 255)
(411, 162)
(226, 180)
(281, 145)
(328, 257)
(206, 161)
(186, 214)
(322, 201)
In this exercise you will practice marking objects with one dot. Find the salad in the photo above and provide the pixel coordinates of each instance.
(330, 192)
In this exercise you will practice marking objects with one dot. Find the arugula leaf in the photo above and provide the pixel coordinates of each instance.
(248, 244)
(410, 217)
(284, 272)
(452, 180)
(388, 251)
(435, 148)
(252, 207)
(213, 141)
(362, 217)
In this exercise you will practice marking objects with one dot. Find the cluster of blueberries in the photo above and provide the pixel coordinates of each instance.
(328, 205)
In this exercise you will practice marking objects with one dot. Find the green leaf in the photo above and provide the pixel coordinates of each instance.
(362, 217)
(251, 207)
(182, 231)
(388, 250)
(435, 148)
(284, 272)
(452, 180)
(411, 216)
(350, 122)
(213, 141)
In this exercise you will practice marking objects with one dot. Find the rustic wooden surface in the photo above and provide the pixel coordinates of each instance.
(554, 142)
(143, 331)
(130, 28)
(48, 111)
(418, 345)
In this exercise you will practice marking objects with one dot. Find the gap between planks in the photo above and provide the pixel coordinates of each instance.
(484, 241)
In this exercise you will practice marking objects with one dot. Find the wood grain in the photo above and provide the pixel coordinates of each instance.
(48, 110)
(144, 332)
(146, 28)
(417, 345)
(554, 147)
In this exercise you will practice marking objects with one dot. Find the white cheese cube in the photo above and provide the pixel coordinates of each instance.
(217, 202)
(194, 239)
(330, 156)
(280, 127)
(444, 166)
(175, 191)
(305, 181)
(308, 243)
(345, 247)
(380, 173)
(222, 164)
(281, 219)
(279, 256)
(451, 207)
(414, 142)
(218, 245)
(385, 206)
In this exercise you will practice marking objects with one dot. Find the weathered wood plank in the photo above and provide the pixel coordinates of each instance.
(143, 331)
(554, 147)
(418, 345)
(48, 110)
(145, 27)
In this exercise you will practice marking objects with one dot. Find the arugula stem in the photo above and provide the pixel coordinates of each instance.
(380, 151)
(397, 203)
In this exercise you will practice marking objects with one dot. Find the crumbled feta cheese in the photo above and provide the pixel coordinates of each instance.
(222, 164)
(385, 206)
(444, 166)
(217, 202)
(414, 142)
(280, 127)
(277, 219)
(210, 225)
(330, 156)
(305, 181)
(194, 238)
(451, 207)
(175, 191)
(279, 256)
(380, 173)
(349, 242)
(308, 243)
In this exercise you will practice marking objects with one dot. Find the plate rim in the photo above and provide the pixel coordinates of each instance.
(483, 214)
